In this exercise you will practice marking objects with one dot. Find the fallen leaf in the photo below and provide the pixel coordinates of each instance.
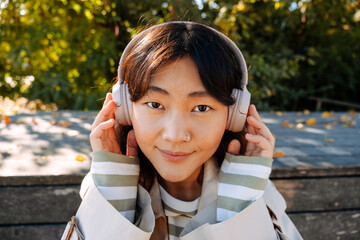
(80, 158)
(278, 154)
(300, 120)
(53, 122)
(311, 121)
(329, 140)
(86, 117)
(34, 121)
(328, 126)
(286, 124)
(65, 124)
(352, 112)
(300, 126)
(345, 118)
(307, 112)
(280, 114)
(7, 119)
(85, 139)
(19, 121)
(325, 114)
(350, 124)
(55, 114)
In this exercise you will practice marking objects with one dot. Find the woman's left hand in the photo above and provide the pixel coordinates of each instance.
(261, 142)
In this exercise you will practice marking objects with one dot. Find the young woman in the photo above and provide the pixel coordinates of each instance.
(181, 170)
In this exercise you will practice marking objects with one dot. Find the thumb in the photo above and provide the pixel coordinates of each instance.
(234, 147)
(131, 146)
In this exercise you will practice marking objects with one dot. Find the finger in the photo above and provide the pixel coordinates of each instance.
(250, 129)
(105, 114)
(234, 147)
(107, 98)
(131, 146)
(99, 130)
(263, 143)
(253, 112)
(260, 128)
(95, 135)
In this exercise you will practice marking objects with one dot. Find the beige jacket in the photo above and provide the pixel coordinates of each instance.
(97, 219)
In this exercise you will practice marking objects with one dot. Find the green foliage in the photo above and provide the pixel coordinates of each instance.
(294, 49)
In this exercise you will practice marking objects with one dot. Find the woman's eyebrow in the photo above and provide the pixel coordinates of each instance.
(159, 90)
(192, 94)
(199, 94)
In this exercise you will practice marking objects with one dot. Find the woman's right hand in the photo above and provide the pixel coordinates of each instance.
(103, 136)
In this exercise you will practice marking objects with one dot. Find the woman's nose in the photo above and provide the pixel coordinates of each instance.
(175, 129)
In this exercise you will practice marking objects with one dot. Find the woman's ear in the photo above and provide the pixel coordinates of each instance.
(234, 147)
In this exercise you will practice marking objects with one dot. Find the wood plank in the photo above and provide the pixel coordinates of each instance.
(26, 205)
(32, 232)
(48, 180)
(54, 204)
(343, 225)
(302, 172)
(320, 194)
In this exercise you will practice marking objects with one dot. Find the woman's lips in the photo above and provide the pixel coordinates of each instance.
(174, 156)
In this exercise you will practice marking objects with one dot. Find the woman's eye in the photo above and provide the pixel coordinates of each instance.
(154, 105)
(202, 108)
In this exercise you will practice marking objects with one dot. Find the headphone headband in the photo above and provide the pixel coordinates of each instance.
(239, 57)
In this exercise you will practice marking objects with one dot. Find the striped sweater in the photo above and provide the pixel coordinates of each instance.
(242, 180)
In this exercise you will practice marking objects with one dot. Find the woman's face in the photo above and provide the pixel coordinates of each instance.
(177, 105)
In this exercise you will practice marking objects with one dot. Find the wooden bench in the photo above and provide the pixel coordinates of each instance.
(320, 101)
(318, 174)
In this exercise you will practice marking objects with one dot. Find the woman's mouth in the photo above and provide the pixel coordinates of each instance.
(174, 156)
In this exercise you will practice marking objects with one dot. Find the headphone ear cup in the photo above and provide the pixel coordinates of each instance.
(123, 109)
(238, 111)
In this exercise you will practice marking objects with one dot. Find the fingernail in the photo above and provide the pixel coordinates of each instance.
(249, 134)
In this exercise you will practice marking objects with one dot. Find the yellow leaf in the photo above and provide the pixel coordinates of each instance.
(280, 114)
(278, 154)
(80, 158)
(311, 121)
(325, 114)
(329, 140)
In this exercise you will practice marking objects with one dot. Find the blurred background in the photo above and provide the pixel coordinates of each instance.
(65, 53)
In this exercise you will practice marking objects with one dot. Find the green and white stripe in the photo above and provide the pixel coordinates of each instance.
(242, 180)
(116, 176)
(178, 213)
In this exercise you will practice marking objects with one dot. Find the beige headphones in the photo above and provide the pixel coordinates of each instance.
(237, 111)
